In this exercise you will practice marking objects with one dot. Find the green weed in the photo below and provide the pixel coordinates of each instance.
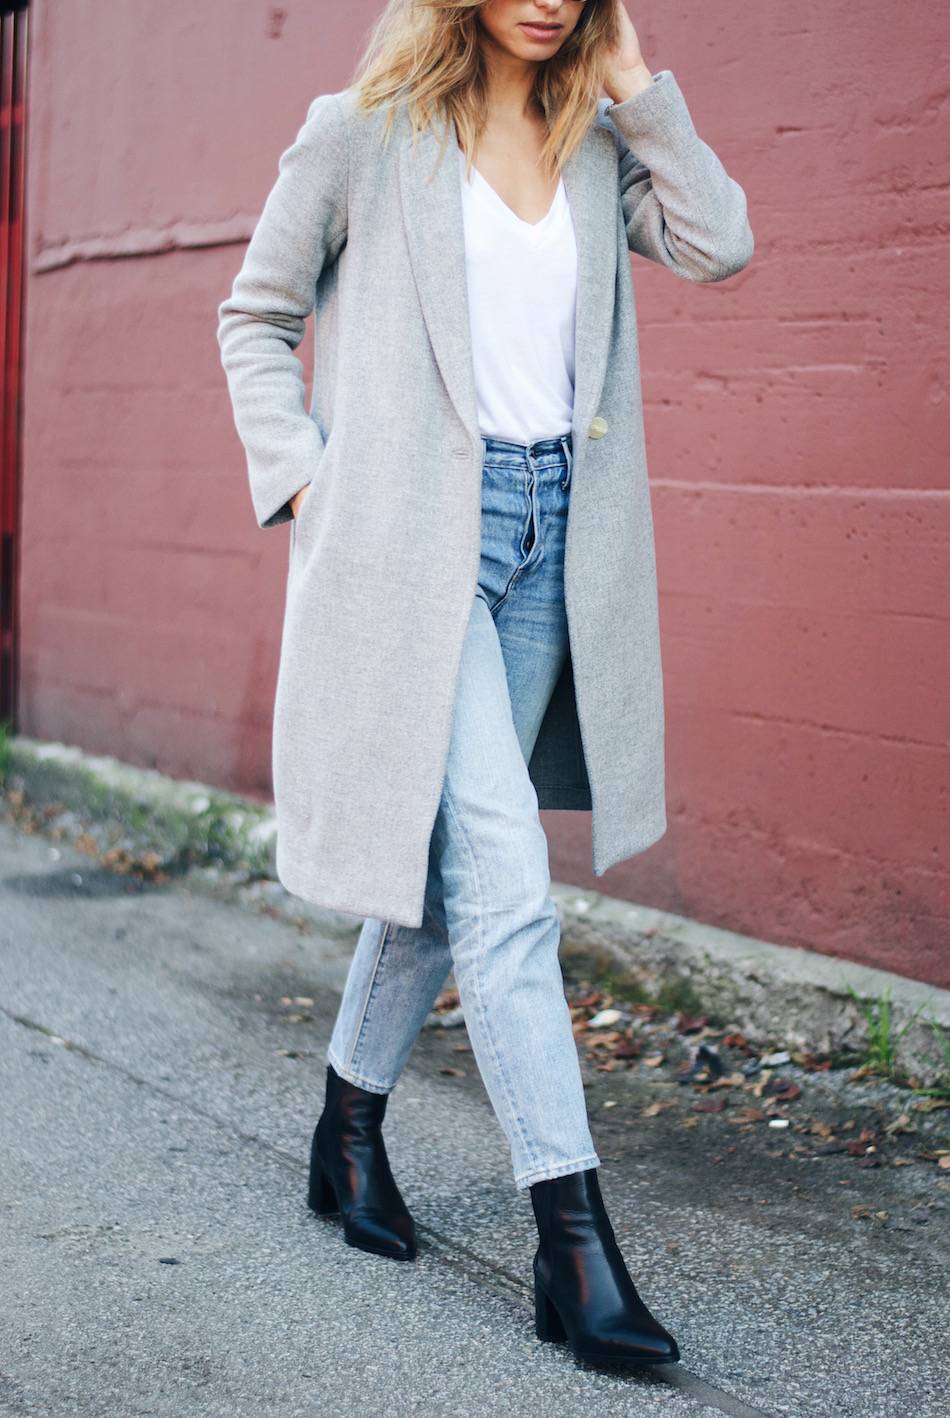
(883, 1041)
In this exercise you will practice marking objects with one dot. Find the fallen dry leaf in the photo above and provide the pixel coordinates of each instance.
(653, 1110)
(747, 1115)
(710, 1105)
(780, 1091)
(611, 1036)
(588, 1000)
(731, 1080)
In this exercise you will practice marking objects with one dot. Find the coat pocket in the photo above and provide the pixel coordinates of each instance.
(302, 511)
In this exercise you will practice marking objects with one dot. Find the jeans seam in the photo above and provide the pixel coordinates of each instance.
(479, 956)
(370, 991)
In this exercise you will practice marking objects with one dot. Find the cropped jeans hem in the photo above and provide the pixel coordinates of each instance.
(562, 1169)
(369, 1084)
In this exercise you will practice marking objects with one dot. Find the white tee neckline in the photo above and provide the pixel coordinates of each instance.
(522, 288)
(486, 187)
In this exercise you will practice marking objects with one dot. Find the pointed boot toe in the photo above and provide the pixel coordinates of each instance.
(350, 1173)
(383, 1236)
(631, 1345)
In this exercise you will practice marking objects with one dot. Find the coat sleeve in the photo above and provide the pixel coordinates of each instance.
(301, 229)
(680, 206)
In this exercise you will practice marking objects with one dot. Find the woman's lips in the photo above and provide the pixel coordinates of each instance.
(541, 32)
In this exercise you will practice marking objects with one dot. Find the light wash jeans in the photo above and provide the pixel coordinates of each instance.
(488, 912)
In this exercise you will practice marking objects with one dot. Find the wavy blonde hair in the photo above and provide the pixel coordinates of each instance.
(427, 54)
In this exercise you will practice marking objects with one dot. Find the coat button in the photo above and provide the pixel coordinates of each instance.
(598, 427)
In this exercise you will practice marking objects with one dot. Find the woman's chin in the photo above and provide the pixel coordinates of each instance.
(533, 49)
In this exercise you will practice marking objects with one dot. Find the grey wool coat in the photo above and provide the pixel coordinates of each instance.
(384, 556)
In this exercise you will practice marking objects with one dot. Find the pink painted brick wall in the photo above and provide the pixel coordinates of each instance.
(797, 421)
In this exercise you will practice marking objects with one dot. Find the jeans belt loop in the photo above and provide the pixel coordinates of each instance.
(569, 455)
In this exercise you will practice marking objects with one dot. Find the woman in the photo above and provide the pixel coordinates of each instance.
(471, 626)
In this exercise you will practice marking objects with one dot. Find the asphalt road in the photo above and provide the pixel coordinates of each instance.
(159, 1258)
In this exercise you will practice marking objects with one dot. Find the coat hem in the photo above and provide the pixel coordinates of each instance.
(328, 900)
(631, 848)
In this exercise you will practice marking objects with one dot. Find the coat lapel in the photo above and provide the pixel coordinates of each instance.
(590, 180)
(432, 213)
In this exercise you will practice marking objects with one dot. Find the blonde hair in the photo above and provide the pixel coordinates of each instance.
(427, 54)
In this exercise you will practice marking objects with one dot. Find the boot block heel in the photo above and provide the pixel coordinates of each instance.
(547, 1321)
(321, 1197)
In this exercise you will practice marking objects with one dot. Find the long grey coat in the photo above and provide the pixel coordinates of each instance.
(384, 557)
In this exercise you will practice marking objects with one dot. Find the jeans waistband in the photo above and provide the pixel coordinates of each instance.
(545, 457)
(560, 444)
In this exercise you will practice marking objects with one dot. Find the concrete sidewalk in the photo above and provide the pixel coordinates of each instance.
(162, 1068)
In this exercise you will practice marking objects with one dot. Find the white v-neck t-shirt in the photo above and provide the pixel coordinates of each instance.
(522, 293)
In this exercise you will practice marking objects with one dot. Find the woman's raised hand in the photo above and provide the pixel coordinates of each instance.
(627, 74)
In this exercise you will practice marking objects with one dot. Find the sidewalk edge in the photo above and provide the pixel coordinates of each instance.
(770, 992)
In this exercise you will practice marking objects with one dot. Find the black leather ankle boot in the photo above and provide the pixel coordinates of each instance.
(583, 1293)
(350, 1173)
